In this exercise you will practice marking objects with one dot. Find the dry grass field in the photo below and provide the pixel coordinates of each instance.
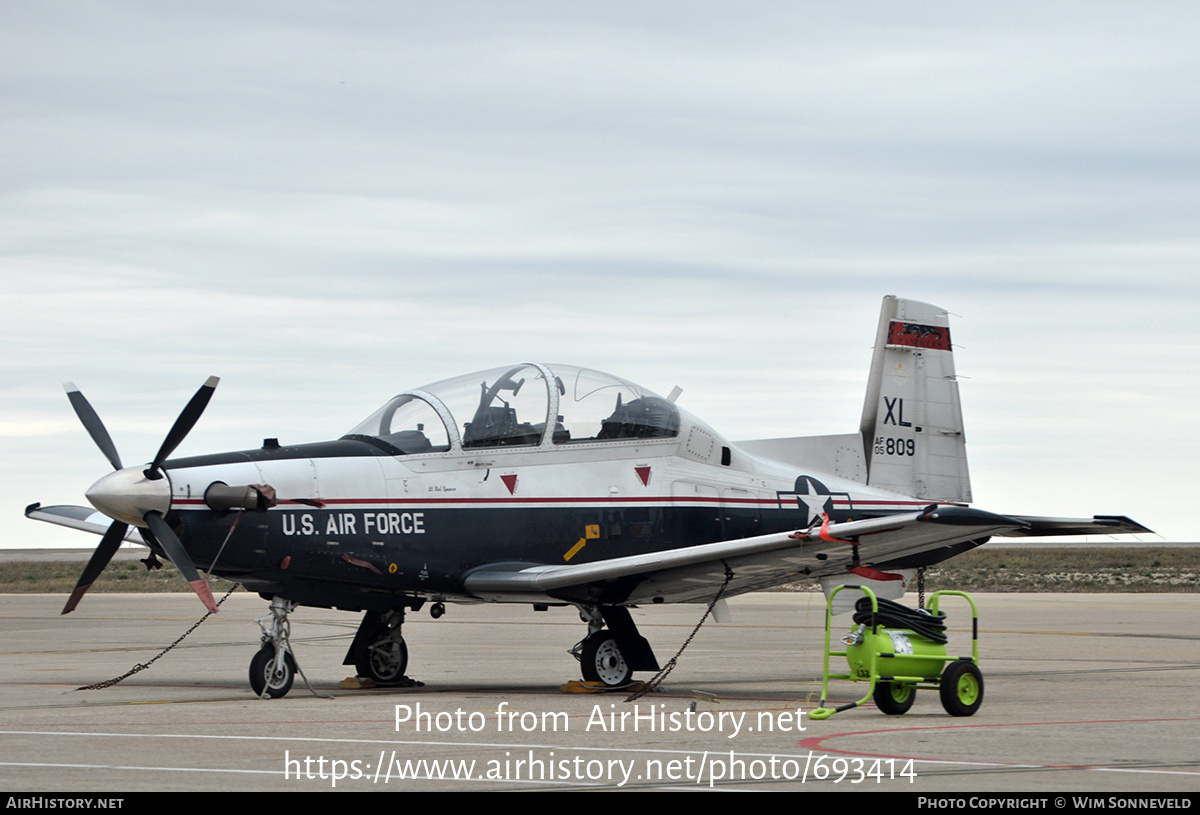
(1064, 569)
(59, 577)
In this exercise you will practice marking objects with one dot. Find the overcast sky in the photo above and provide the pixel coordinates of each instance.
(328, 203)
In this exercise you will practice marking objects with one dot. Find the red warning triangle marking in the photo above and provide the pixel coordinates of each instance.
(510, 481)
(644, 474)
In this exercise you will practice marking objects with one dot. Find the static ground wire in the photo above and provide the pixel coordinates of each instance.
(108, 683)
(657, 679)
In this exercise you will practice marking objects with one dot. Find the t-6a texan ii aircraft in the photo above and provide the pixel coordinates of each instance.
(558, 485)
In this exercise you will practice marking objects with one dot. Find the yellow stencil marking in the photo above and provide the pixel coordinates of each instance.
(574, 550)
(591, 531)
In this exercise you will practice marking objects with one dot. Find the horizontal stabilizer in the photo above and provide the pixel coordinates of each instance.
(1096, 525)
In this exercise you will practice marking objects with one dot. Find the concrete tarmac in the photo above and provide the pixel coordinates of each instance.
(1083, 692)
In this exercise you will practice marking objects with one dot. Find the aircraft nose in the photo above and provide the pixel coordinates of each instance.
(127, 495)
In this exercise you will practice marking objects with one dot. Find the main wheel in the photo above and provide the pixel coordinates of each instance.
(602, 660)
(263, 675)
(383, 661)
(894, 698)
(961, 688)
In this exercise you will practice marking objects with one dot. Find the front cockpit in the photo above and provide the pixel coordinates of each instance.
(514, 406)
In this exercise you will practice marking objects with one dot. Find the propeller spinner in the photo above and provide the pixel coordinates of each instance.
(133, 496)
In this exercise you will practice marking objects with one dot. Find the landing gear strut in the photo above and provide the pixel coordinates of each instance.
(273, 668)
(378, 651)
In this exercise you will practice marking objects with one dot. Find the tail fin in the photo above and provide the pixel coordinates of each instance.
(912, 423)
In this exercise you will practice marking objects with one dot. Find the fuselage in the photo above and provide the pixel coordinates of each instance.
(361, 520)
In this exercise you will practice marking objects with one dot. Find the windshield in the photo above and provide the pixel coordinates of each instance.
(408, 424)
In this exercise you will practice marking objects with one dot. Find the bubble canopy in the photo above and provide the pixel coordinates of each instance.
(513, 406)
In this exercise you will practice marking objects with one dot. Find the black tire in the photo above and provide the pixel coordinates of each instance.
(961, 688)
(602, 660)
(383, 664)
(894, 698)
(263, 677)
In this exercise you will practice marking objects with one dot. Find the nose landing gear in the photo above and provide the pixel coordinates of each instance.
(273, 668)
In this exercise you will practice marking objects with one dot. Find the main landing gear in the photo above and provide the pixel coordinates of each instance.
(613, 648)
(378, 651)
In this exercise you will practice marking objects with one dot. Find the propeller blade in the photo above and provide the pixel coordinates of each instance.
(184, 424)
(171, 544)
(108, 547)
(93, 425)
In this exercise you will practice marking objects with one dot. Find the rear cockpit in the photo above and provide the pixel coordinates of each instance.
(514, 406)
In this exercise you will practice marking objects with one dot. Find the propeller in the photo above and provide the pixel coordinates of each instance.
(108, 547)
(131, 496)
(183, 425)
(93, 425)
(171, 544)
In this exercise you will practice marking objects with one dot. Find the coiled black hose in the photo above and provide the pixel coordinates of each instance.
(894, 615)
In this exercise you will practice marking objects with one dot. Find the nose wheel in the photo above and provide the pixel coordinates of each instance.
(270, 675)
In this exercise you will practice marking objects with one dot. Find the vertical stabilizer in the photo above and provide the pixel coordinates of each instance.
(912, 421)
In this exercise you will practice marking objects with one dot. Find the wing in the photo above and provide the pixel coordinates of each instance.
(694, 573)
(84, 518)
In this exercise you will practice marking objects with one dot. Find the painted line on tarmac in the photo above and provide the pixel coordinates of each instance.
(818, 743)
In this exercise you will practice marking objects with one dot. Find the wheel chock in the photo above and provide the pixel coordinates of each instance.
(366, 683)
(581, 686)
